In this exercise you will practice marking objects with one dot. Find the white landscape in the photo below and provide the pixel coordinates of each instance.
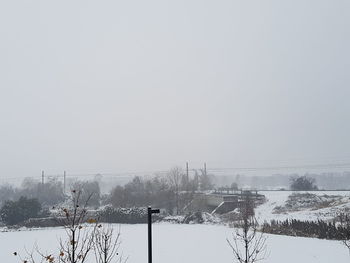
(206, 243)
(184, 243)
(215, 113)
(265, 212)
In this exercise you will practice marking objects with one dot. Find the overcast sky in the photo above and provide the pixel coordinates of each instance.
(112, 86)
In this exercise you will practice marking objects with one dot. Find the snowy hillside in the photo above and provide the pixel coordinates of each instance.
(312, 205)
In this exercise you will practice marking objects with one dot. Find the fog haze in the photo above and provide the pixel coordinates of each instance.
(109, 86)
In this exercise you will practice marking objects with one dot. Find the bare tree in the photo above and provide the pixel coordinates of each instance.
(303, 183)
(248, 245)
(175, 177)
(205, 180)
(346, 242)
(79, 232)
(344, 221)
(107, 245)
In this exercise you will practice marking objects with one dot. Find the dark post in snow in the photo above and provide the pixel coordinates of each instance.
(150, 211)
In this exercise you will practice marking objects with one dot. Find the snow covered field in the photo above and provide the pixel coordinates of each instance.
(185, 243)
(279, 198)
(174, 243)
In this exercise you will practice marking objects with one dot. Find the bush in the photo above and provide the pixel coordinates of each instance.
(134, 215)
(194, 218)
(14, 212)
(318, 229)
(303, 183)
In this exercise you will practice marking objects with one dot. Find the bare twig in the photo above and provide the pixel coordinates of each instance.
(248, 245)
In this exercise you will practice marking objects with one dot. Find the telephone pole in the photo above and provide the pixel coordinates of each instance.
(42, 177)
(187, 187)
(187, 175)
(64, 182)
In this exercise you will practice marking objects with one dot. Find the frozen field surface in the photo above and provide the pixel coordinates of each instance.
(265, 212)
(184, 243)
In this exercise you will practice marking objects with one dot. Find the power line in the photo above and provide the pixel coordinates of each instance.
(65, 175)
(313, 166)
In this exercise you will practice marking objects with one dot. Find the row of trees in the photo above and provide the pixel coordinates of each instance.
(14, 212)
(49, 193)
(52, 192)
(171, 192)
(34, 199)
(338, 229)
(139, 192)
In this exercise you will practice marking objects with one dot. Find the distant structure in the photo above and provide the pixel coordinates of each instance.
(222, 201)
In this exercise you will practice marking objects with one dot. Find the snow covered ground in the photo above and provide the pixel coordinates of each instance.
(205, 243)
(184, 243)
(279, 198)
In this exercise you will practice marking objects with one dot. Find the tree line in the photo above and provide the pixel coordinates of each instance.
(35, 199)
(49, 193)
(319, 229)
(171, 193)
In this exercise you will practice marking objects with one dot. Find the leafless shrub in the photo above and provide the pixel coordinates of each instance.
(106, 245)
(248, 244)
(80, 235)
(343, 219)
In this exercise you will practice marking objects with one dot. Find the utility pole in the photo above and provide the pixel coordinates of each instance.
(64, 182)
(42, 177)
(150, 211)
(187, 175)
(205, 168)
(187, 187)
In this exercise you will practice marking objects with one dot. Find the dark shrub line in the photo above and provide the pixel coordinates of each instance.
(318, 229)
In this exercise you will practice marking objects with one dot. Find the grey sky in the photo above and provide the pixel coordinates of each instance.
(108, 86)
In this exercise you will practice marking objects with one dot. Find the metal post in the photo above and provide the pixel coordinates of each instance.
(187, 177)
(150, 211)
(64, 182)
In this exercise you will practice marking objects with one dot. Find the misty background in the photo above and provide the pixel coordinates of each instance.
(132, 86)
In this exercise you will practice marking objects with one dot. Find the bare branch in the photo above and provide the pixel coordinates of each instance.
(248, 244)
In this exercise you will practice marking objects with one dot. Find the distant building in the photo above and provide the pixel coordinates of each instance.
(221, 202)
